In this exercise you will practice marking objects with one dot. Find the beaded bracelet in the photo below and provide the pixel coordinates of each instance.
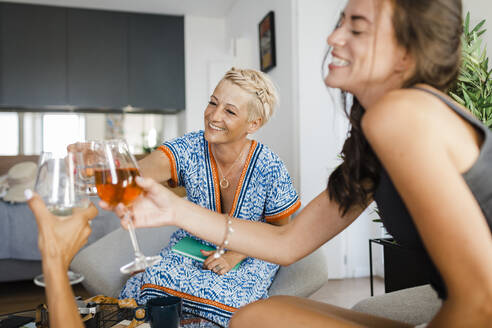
(228, 230)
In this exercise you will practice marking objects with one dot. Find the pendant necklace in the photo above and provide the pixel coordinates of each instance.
(224, 183)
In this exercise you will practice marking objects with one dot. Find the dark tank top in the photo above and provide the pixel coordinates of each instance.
(397, 219)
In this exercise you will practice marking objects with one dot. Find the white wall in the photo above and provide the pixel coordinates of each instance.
(242, 31)
(321, 122)
(204, 43)
(323, 128)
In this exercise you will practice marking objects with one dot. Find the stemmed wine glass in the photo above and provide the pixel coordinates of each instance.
(115, 170)
(84, 167)
(55, 184)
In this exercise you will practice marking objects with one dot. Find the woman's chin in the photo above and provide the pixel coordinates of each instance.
(335, 83)
(330, 82)
(214, 136)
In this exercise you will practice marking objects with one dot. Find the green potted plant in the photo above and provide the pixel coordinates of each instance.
(474, 87)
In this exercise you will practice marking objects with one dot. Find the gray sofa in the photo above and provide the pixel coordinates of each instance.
(414, 306)
(19, 255)
(100, 263)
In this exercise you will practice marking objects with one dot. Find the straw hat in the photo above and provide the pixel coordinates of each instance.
(20, 177)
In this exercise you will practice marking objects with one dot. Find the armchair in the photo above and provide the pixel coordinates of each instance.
(100, 263)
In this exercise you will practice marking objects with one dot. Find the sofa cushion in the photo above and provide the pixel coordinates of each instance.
(301, 278)
(100, 262)
(415, 305)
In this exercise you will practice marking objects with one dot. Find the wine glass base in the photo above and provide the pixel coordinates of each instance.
(140, 264)
(73, 278)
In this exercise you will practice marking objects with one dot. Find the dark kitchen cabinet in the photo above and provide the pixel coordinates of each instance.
(97, 58)
(156, 61)
(33, 55)
(90, 59)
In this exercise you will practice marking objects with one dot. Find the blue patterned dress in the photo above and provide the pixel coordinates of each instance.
(265, 193)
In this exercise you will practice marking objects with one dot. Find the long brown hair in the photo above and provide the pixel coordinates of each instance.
(431, 32)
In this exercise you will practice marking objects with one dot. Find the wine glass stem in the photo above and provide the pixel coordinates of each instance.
(133, 236)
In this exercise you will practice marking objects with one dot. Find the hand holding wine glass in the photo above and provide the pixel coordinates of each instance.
(60, 238)
(56, 186)
(154, 209)
(115, 173)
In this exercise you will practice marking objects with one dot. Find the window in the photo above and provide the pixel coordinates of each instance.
(60, 130)
(32, 133)
(9, 134)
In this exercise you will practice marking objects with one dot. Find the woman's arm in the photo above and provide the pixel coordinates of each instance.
(281, 222)
(226, 262)
(59, 239)
(407, 133)
(156, 166)
(316, 224)
(63, 310)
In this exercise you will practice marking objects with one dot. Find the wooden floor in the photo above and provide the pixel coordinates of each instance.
(347, 292)
(24, 295)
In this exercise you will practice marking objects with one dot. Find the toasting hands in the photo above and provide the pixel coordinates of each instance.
(151, 209)
(60, 237)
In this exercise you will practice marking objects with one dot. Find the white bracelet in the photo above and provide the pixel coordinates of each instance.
(228, 230)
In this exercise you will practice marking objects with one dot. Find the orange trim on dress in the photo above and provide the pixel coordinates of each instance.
(169, 154)
(191, 297)
(241, 178)
(291, 210)
(239, 187)
(215, 179)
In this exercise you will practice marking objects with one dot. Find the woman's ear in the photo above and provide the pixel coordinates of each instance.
(254, 125)
(405, 61)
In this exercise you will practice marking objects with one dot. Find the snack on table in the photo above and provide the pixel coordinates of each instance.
(127, 303)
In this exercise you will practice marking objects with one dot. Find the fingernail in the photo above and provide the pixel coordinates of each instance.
(28, 194)
(139, 179)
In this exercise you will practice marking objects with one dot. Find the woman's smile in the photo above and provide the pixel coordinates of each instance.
(215, 127)
(338, 62)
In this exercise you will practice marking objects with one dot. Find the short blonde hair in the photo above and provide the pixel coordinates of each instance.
(260, 86)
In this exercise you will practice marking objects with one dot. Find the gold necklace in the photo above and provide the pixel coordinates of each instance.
(224, 183)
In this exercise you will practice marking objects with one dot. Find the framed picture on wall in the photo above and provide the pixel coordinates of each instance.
(266, 30)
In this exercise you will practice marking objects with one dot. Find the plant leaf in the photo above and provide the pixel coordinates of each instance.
(458, 99)
(479, 34)
(478, 26)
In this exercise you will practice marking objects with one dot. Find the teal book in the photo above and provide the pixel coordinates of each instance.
(191, 247)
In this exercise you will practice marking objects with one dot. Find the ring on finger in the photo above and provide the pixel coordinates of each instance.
(217, 268)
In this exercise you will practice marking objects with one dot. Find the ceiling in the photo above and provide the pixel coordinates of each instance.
(207, 8)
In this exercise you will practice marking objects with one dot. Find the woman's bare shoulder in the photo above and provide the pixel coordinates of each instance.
(403, 113)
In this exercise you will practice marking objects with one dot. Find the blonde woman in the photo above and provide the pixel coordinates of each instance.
(223, 171)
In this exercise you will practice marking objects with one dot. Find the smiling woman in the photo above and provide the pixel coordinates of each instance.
(226, 172)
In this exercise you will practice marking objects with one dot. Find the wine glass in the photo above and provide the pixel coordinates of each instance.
(115, 171)
(55, 184)
(84, 167)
